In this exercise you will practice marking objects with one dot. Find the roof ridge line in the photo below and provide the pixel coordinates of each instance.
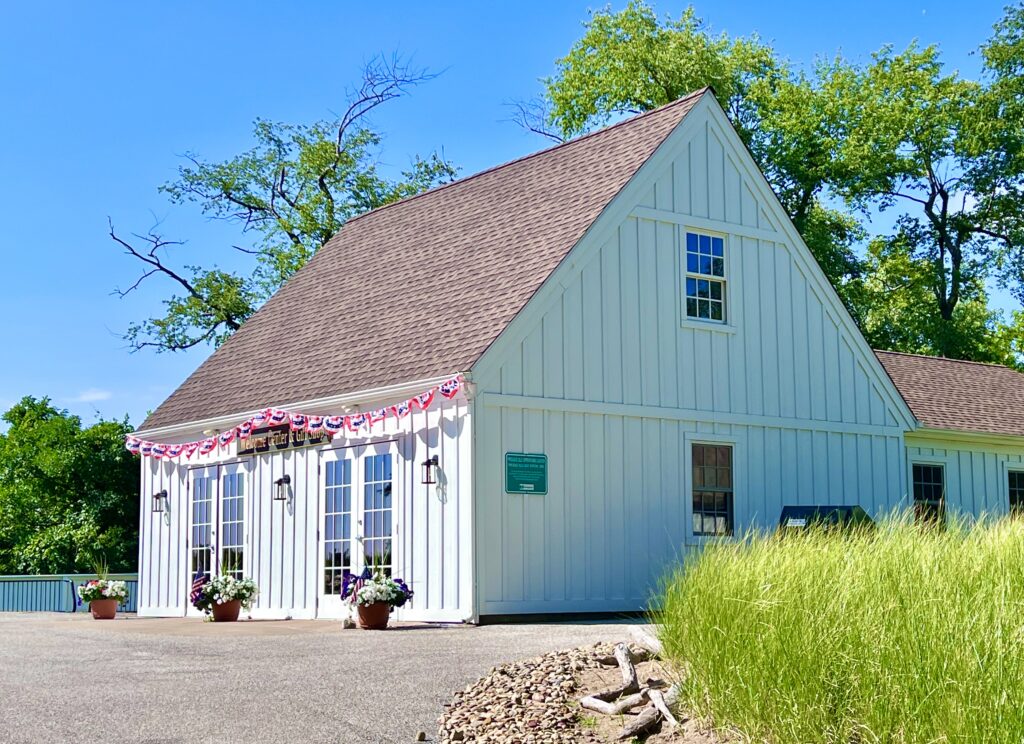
(528, 156)
(944, 359)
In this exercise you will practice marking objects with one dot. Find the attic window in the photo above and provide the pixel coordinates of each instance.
(705, 277)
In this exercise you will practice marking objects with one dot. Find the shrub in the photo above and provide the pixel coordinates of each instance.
(900, 635)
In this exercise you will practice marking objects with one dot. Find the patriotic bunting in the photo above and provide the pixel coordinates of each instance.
(334, 424)
(450, 388)
(423, 400)
(356, 424)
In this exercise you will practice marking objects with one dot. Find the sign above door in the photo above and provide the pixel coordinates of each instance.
(280, 438)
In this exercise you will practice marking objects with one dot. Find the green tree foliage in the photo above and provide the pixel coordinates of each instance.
(897, 309)
(912, 147)
(68, 493)
(840, 142)
(288, 194)
(632, 61)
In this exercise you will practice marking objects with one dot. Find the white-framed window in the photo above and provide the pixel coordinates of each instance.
(1015, 481)
(712, 488)
(704, 285)
(929, 484)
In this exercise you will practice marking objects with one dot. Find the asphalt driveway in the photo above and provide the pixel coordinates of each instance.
(66, 678)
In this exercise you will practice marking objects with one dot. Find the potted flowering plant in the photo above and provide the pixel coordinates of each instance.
(374, 594)
(224, 596)
(103, 596)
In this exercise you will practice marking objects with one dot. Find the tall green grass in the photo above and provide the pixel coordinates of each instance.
(901, 635)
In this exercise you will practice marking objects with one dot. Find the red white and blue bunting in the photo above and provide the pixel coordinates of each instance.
(355, 424)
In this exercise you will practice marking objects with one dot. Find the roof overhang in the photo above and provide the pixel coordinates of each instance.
(980, 438)
(359, 398)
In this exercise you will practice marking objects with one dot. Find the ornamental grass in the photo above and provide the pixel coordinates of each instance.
(903, 634)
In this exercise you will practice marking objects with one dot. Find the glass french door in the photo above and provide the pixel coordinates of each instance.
(218, 524)
(357, 517)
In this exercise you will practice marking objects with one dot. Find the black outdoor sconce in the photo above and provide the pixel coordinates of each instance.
(282, 484)
(160, 501)
(429, 470)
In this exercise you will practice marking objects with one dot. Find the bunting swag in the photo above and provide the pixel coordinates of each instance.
(360, 424)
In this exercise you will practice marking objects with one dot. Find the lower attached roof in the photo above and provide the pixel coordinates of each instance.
(959, 395)
(421, 287)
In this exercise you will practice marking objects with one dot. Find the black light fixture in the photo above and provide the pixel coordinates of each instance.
(282, 484)
(160, 500)
(429, 470)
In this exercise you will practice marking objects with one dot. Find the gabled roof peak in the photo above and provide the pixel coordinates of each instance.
(421, 287)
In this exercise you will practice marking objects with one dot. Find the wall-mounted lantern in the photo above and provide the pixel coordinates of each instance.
(160, 501)
(429, 470)
(282, 483)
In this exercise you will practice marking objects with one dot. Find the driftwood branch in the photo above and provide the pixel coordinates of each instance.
(629, 695)
(644, 638)
(649, 717)
(630, 683)
(618, 707)
(660, 701)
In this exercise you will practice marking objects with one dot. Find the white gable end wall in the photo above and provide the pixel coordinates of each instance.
(604, 374)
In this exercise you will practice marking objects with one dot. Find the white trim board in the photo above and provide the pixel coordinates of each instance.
(502, 400)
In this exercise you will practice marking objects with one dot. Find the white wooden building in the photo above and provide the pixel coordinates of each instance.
(650, 355)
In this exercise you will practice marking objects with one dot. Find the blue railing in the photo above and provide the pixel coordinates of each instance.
(56, 592)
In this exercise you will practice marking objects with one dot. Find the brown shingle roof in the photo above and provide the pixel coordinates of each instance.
(953, 394)
(421, 287)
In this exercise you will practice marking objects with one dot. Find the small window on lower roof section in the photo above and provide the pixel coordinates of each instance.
(1016, 478)
(712, 490)
(929, 494)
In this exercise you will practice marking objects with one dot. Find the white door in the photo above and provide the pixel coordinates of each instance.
(218, 524)
(357, 517)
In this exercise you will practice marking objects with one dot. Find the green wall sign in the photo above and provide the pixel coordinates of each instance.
(525, 473)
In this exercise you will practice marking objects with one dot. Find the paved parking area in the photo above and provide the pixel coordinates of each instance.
(68, 678)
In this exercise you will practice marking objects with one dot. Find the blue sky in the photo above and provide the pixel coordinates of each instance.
(102, 99)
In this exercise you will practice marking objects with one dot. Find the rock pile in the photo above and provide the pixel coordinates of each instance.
(527, 702)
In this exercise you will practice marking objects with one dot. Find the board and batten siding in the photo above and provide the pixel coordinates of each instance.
(431, 524)
(606, 376)
(975, 474)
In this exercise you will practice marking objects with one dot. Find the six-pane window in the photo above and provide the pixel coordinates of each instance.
(1016, 492)
(712, 489)
(705, 277)
(929, 494)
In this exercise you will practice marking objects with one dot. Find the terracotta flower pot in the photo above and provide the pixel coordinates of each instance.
(103, 609)
(374, 616)
(227, 612)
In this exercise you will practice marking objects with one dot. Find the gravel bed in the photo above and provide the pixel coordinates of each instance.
(526, 702)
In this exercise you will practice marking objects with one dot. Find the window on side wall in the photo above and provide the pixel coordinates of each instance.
(712, 490)
(929, 494)
(705, 277)
(1016, 478)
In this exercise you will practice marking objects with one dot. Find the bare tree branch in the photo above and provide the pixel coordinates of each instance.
(533, 116)
(149, 257)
